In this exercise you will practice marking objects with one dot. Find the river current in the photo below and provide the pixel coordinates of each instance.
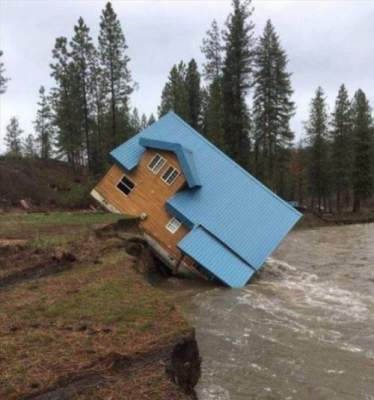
(303, 330)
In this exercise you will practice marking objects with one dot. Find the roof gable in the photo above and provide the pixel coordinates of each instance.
(184, 155)
(231, 204)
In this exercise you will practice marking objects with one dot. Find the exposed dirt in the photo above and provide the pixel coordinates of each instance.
(185, 364)
(42, 184)
(40, 264)
(9, 243)
(316, 220)
(181, 359)
(80, 322)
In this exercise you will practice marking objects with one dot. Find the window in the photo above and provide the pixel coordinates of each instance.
(156, 163)
(170, 175)
(173, 225)
(125, 185)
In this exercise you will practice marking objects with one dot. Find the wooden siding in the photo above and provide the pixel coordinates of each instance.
(149, 196)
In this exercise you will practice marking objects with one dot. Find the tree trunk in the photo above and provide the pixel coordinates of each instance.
(86, 129)
(356, 203)
(113, 105)
(338, 199)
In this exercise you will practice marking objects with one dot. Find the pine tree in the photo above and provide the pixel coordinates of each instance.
(317, 133)
(116, 74)
(66, 103)
(298, 173)
(13, 138)
(363, 150)
(236, 80)
(135, 121)
(213, 100)
(174, 95)
(151, 119)
(341, 135)
(82, 54)
(30, 147)
(213, 114)
(3, 79)
(98, 94)
(212, 50)
(143, 122)
(193, 88)
(273, 110)
(44, 125)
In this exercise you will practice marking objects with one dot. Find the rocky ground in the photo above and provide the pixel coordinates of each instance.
(79, 317)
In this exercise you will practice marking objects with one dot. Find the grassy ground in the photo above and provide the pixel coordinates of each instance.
(75, 309)
(33, 226)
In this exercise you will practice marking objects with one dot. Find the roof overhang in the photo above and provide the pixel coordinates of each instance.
(184, 155)
(216, 257)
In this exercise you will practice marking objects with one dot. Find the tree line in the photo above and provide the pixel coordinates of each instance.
(338, 155)
(215, 102)
(241, 100)
(87, 112)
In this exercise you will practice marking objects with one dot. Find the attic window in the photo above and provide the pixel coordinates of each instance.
(156, 163)
(170, 175)
(173, 225)
(125, 185)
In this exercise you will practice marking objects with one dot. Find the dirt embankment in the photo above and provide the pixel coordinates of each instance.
(317, 220)
(80, 321)
(43, 184)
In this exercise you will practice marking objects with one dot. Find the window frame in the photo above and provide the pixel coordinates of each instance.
(120, 181)
(176, 176)
(169, 225)
(160, 164)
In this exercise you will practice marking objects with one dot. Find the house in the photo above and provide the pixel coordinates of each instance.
(198, 208)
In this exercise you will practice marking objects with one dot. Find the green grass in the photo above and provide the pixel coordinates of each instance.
(36, 225)
(59, 218)
(111, 302)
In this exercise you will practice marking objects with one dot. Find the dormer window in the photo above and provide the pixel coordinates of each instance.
(170, 175)
(156, 163)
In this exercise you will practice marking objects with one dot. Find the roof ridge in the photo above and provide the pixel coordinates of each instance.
(172, 113)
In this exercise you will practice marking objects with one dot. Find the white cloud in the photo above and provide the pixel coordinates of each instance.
(328, 43)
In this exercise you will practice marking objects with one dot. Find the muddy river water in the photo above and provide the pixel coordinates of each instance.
(304, 330)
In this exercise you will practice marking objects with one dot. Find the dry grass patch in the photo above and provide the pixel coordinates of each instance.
(59, 324)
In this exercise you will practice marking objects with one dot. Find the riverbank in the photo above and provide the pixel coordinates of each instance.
(315, 220)
(79, 318)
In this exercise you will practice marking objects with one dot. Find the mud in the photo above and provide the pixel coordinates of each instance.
(39, 265)
(181, 361)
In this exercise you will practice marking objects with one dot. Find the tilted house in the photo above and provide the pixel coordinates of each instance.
(198, 208)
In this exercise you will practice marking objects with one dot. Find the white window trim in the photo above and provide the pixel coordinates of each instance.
(161, 162)
(173, 225)
(174, 169)
(125, 176)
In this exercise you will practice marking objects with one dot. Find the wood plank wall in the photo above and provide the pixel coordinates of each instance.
(149, 196)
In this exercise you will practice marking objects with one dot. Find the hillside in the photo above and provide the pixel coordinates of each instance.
(46, 184)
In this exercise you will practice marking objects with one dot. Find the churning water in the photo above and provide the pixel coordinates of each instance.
(303, 330)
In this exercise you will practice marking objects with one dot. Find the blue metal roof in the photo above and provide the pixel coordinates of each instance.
(231, 204)
(184, 155)
(216, 257)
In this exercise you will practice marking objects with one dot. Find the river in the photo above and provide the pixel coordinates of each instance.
(303, 330)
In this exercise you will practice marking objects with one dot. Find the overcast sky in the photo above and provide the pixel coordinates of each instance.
(327, 42)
